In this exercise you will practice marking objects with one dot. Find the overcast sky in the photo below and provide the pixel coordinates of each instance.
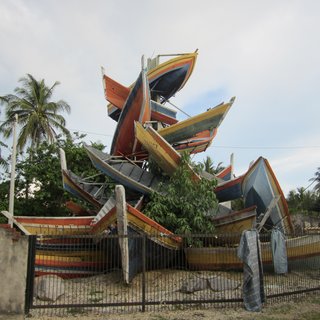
(266, 53)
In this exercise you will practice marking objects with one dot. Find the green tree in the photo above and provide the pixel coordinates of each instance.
(4, 198)
(41, 167)
(208, 166)
(182, 205)
(3, 161)
(303, 201)
(316, 179)
(39, 116)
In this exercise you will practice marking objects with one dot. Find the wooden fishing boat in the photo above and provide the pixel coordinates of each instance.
(91, 192)
(123, 171)
(299, 249)
(199, 143)
(70, 267)
(143, 234)
(235, 221)
(83, 188)
(77, 209)
(83, 255)
(229, 190)
(63, 272)
(65, 246)
(186, 129)
(164, 79)
(167, 78)
(259, 187)
(117, 95)
(140, 223)
(77, 260)
(56, 225)
(225, 174)
(167, 158)
(136, 108)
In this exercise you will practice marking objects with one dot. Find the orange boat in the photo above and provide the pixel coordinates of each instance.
(117, 94)
(168, 159)
(165, 80)
(199, 143)
(304, 250)
(136, 108)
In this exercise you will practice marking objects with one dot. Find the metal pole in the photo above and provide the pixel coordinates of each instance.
(13, 170)
(30, 273)
(188, 115)
(143, 293)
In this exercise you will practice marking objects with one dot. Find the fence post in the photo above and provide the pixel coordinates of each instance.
(144, 273)
(30, 273)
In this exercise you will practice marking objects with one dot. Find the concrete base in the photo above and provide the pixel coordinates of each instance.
(13, 270)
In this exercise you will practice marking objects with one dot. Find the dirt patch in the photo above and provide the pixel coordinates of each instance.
(164, 285)
(307, 308)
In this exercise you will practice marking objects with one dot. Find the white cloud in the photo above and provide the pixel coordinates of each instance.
(265, 53)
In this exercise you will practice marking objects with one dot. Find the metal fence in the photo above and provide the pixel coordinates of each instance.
(204, 271)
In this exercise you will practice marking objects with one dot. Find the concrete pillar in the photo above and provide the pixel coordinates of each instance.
(13, 270)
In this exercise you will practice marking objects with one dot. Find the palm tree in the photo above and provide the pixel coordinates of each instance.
(208, 165)
(3, 162)
(316, 179)
(38, 116)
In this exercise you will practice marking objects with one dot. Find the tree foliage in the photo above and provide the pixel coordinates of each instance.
(182, 205)
(304, 202)
(39, 189)
(38, 116)
(316, 179)
(208, 166)
(3, 162)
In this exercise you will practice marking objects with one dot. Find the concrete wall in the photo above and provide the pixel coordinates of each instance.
(13, 272)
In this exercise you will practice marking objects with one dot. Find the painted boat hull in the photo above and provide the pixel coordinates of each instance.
(229, 190)
(259, 187)
(133, 177)
(117, 95)
(225, 258)
(167, 158)
(82, 256)
(164, 80)
(186, 129)
(236, 221)
(162, 248)
(199, 143)
(136, 108)
(169, 77)
(72, 183)
(56, 225)
(225, 174)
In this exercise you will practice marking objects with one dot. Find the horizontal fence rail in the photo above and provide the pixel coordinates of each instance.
(111, 273)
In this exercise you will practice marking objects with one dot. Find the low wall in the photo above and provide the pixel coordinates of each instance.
(13, 272)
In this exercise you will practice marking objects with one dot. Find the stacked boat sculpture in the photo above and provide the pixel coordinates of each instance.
(148, 129)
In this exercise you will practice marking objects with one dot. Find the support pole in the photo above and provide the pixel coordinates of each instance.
(232, 165)
(122, 226)
(13, 170)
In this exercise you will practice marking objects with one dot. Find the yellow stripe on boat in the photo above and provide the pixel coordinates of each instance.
(208, 120)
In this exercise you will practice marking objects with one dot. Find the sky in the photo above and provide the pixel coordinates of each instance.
(265, 53)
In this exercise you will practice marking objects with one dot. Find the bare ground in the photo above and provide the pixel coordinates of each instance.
(307, 308)
(164, 286)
